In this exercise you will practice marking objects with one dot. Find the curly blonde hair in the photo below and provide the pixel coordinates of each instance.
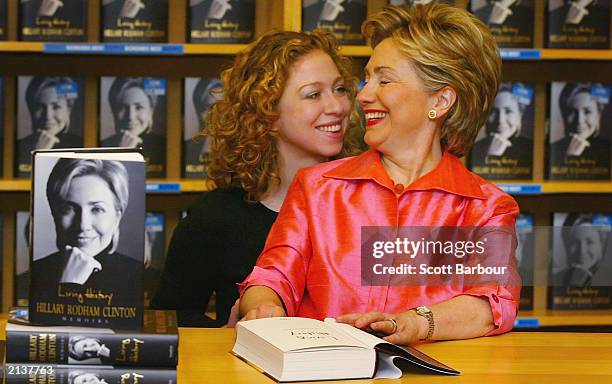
(448, 46)
(239, 126)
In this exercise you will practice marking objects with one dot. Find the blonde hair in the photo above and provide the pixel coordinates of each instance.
(447, 46)
(243, 147)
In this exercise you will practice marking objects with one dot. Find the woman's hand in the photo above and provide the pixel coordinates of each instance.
(577, 145)
(131, 8)
(45, 140)
(218, 8)
(234, 315)
(49, 7)
(79, 266)
(406, 332)
(498, 145)
(129, 140)
(265, 310)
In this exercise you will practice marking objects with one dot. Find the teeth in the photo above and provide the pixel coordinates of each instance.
(375, 115)
(330, 128)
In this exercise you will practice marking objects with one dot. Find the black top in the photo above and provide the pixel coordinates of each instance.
(212, 249)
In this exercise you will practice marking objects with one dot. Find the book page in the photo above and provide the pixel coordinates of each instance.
(300, 334)
(361, 336)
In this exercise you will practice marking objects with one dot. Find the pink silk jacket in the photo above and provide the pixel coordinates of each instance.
(312, 257)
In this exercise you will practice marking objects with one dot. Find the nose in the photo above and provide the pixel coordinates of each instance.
(366, 95)
(48, 112)
(333, 105)
(132, 113)
(84, 220)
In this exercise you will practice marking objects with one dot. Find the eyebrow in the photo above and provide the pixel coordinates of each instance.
(319, 83)
(379, 69)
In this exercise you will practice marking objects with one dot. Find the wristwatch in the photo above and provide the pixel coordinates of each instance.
(428, 314)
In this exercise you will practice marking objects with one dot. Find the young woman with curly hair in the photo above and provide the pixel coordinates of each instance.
(288, 103)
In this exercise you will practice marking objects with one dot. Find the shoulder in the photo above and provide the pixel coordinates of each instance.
(496, 200)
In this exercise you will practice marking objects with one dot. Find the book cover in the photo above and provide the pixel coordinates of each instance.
(525, 250)
(221, 21)
(580, 131)
(511, 22)
(581, 24)
(581, 263)
(341, 18)
(52, 20)
(155, 346)
(49, 115)
(22, 258)
(3, 19)
(413, 2)
(87, 254)
(134, 21)
(503, 149)
(19, 373)
(1, 125)
(154, 254)
(1, 252)
(200, 95)
(132, 115)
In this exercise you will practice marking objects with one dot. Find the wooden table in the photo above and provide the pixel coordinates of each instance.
(511, 358)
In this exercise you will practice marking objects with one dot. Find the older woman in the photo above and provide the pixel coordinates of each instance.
(133, 106)
(87, 199)
(431, 81)
(287, 104)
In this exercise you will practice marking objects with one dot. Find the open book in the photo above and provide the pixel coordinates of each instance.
(300, 349)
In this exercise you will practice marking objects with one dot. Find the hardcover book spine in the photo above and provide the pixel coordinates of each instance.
(143, 21)
(581, 262)
(343, 20)
(579, 24)
(50, 115)
(580, 131)
(200, 95)
(512, 25)
(136, 350)
(504, 146)
(133, 114)
(211, 22)
(44, 20)
(58, 374)
(1, 119)
(524, 256)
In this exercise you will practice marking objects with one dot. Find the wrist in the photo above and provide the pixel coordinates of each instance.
(422, 325)
(427, 317)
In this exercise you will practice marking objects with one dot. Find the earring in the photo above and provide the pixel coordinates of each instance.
(432, 114)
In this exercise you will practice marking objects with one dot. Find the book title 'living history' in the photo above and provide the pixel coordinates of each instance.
(143, 21)
(45, 20)
(228, 21)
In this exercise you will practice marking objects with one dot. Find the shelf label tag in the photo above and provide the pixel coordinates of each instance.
(114, 48)
(163, 187)
(527, 322)
(521, 189)
(520, 54)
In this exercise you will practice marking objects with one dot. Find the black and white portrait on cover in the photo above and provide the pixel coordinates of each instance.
(134, 20)
(580, 127)
(200, 95)
(133, 114)
(97, 242)
(49, 116)
(582, 250)
(83, 349)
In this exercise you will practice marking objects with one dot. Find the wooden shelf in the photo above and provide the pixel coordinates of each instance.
(576, 54)
(551, 318)
(176, 186)
(213, 49)
(553, 187)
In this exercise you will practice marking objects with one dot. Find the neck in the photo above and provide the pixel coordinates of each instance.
(289, 163)
(407, 165)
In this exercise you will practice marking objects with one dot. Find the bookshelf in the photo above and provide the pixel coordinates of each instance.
(178, 59)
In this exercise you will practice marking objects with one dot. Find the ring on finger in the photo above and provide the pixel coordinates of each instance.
(394, 325)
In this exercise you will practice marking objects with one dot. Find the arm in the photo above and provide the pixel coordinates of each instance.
(260, 301)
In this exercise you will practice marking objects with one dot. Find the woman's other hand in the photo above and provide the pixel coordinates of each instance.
(79, 266)
(46, 140)
(405, 328)
(498, 145)
(49, 7)
(129, 140)
(131, 8)
(577, 145)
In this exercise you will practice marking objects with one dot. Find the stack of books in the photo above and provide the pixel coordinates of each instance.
(66, 354)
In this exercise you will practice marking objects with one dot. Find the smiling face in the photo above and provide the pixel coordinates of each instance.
(587, 247)
(86, 347)
(584, 115)
(505, 117)
(87, 217)
(394, 100)
(51, 113)
(314, 110)
(134, 111)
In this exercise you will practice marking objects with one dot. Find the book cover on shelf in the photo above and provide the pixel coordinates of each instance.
(1, 252)
(581, 263)
(503, 149)
(22, 258)
(525, 249)
(1, 125)
(578, 24)
(3, 18)
(301, 349)
(154, 254)
(342, 19)
(134, 21)
(133, 114)
(413, 2)
(50, 115)
(221, 22)
(200, 95)
(580, 131)
(511, 22)
(47, 20)
(88, 211)
(155, 346)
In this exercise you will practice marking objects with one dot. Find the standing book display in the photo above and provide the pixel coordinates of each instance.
(221, 22)
(511, 22)
(87, 238)
(342, 19)
(134, 21)
(45, 20)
